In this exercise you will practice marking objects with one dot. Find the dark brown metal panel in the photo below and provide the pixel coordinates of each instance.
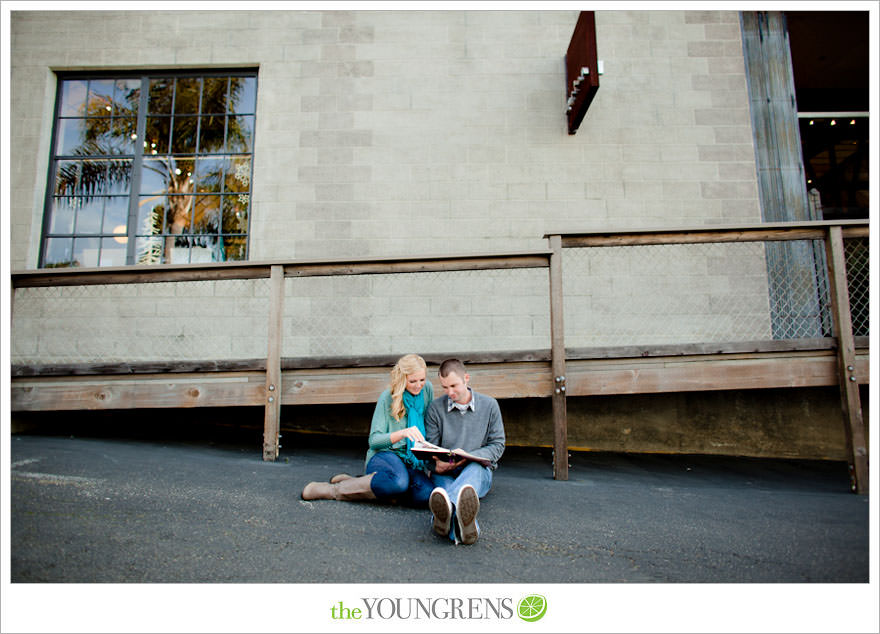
(582, 55)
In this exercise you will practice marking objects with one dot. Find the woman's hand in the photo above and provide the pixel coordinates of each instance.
(412, 433)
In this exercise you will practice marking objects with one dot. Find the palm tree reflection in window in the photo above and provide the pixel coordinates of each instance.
(193, 165)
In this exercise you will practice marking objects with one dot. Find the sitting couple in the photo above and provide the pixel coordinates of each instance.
(408, 412)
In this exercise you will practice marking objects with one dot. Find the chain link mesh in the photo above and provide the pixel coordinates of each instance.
(613, 296)
(858, 280)
(699, 293)
(124, 323)
(453, 311)
(798, 287)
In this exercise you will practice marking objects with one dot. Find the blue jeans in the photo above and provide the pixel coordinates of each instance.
(474, 474)
(394, 479)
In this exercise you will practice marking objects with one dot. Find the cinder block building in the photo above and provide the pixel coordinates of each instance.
(176, 141)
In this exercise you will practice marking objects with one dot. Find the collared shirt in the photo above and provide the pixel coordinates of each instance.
(450, 405)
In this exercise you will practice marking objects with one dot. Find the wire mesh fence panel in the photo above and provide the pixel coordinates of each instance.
(613, 296)
(798, 286)
(693, 293)
(116, 323)
(389, 314)
(858, 279)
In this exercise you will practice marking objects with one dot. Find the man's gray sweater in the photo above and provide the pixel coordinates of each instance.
(479, 431)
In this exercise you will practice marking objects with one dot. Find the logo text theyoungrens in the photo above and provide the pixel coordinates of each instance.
(428, 608)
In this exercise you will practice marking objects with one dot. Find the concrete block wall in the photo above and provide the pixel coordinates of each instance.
(418, 132)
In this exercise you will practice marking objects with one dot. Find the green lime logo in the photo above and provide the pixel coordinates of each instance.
(532, 608)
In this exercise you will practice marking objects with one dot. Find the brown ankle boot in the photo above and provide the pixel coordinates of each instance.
(355, 488)
(319, 491)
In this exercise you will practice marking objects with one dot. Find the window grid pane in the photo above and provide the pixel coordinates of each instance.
(193, 165)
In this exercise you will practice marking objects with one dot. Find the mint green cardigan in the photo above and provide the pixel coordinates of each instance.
(384, 425)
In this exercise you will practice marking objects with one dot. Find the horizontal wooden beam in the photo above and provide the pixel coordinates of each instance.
(510, 380)
(140, 367)
(137, 275)
(434, 358)
(259, 364)
(706, 373)
(292, 268)
(413, 265)
(815, 230)
(363, 385)
(143, 392)
(431, 358)
(714, 348)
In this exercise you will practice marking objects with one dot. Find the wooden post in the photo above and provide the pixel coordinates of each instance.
(849, 387)
(272, 419)
(557, 360)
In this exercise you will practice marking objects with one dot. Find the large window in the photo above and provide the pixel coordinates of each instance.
(150, 169)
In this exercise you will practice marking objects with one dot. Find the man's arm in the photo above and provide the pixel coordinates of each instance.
(493, 445)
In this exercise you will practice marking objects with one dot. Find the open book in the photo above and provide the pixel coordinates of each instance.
(424, 450)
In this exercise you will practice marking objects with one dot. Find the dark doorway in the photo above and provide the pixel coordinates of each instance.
(829, 51)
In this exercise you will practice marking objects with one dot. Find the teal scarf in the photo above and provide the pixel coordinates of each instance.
(415, 416)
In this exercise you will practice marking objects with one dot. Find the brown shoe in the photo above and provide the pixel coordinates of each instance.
(355, 488)
(347, 489)
(319, 491)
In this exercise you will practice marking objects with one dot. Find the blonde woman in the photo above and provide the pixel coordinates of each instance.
(398, 420)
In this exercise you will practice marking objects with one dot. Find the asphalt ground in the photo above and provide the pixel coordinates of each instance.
(87, 510)
(102, 510)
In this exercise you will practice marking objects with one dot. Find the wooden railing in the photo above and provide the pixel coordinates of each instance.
(555, 373)
(832, 234)
(309, 382)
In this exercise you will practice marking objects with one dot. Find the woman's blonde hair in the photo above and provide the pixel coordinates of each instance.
(406, 365)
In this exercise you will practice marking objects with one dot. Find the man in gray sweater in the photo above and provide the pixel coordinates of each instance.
(468, 420)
